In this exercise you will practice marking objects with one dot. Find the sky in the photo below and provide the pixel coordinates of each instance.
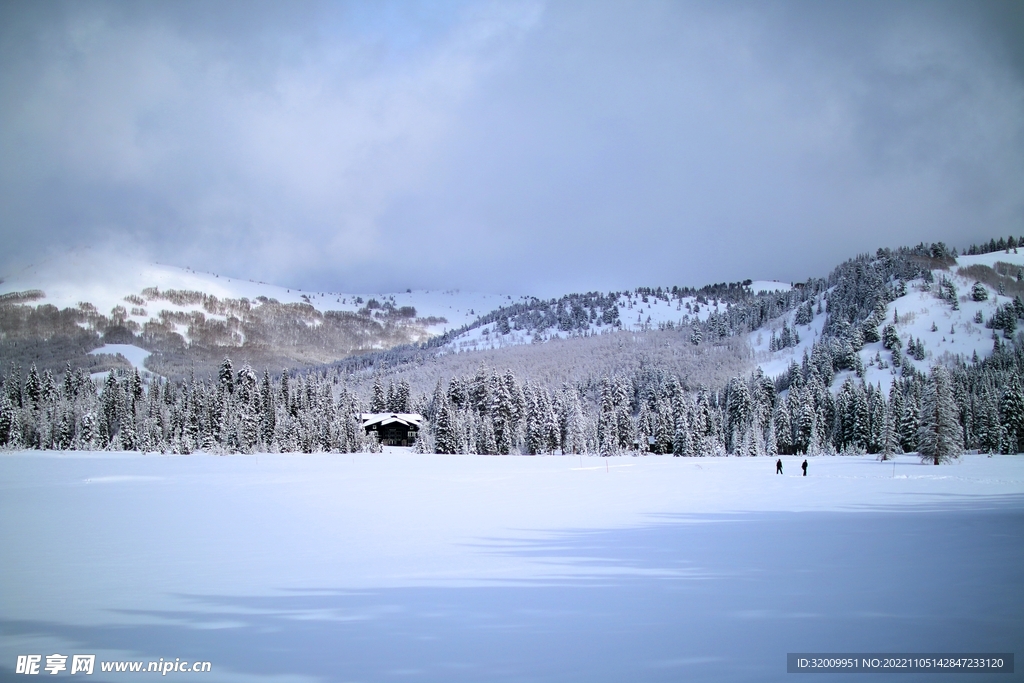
(520, 147)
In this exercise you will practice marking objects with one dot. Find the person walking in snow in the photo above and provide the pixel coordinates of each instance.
(804, 467)
(778, 466)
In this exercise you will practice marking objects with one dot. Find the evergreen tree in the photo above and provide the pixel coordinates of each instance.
(909, 423)
(608, 423)
(226, 376)
(378, 403)
(402, 397)
(682, 441)
(782, 429)
(890, 435)
(34, 388)
(738, 412)
(1011, 414)
(989, 430)
(771, 447)
(940, 438)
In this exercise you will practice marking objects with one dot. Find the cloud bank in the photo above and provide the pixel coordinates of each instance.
(516, 146)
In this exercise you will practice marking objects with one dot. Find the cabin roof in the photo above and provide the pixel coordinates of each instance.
(407, 419)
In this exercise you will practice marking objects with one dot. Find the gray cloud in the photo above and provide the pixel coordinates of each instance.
(509, 146)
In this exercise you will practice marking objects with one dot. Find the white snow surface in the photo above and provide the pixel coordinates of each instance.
(468, 568)
(758, 286)
(131, 353)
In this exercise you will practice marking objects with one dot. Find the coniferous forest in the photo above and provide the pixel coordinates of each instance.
(958, 404)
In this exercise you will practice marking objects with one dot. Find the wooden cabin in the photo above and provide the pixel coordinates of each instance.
(393, 429)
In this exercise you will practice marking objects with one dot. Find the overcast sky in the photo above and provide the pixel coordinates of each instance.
(517, 147)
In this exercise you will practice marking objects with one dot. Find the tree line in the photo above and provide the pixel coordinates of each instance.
(960, 404)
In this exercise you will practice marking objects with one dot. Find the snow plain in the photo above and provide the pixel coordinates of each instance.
(403, 567)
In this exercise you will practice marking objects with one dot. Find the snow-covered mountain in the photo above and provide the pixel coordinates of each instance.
(168, 309)
(923, 314)
(880, 356)
(639, 310)
(179, 318)
(85, 276)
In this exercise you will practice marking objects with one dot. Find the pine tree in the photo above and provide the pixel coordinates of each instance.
(805, 422)
(940, 438)
(34, 387)
(1011, 416)
(486, 444)
(771, 447)
(226, 376)
(391, 400)
(378, 404)
(575, 423)
(989, 430)
(876, 416)
(549, 417)
(738, 412)
(782, 429)
(909, 423)
(402, 397)
(890, 436)
(7, 418)
(535, 437)
(682, 441)
(504, 412)
(608, 423)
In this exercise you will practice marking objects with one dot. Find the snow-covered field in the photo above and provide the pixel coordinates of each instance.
(474, 568)
(131, 353)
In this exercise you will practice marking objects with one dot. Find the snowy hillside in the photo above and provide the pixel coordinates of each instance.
(640, 310)
(85, 276)
(182, 315)
(922, 314)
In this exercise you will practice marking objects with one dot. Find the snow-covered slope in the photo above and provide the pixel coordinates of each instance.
(637, 312)
(920, 314)
(87, 276)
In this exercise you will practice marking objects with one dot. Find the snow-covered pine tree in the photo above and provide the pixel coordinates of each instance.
(739, 412)
(226, 376)
(979, 292)
(781, 428)
(909, 423)
(608, 424)
(486, 443)
(682, 441)
(940, 438)
(378, 402)
(876, 419)
(1011, 416)
(402, 397)
(771, 447)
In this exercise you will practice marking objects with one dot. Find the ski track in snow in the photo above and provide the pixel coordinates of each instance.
(332, 567)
